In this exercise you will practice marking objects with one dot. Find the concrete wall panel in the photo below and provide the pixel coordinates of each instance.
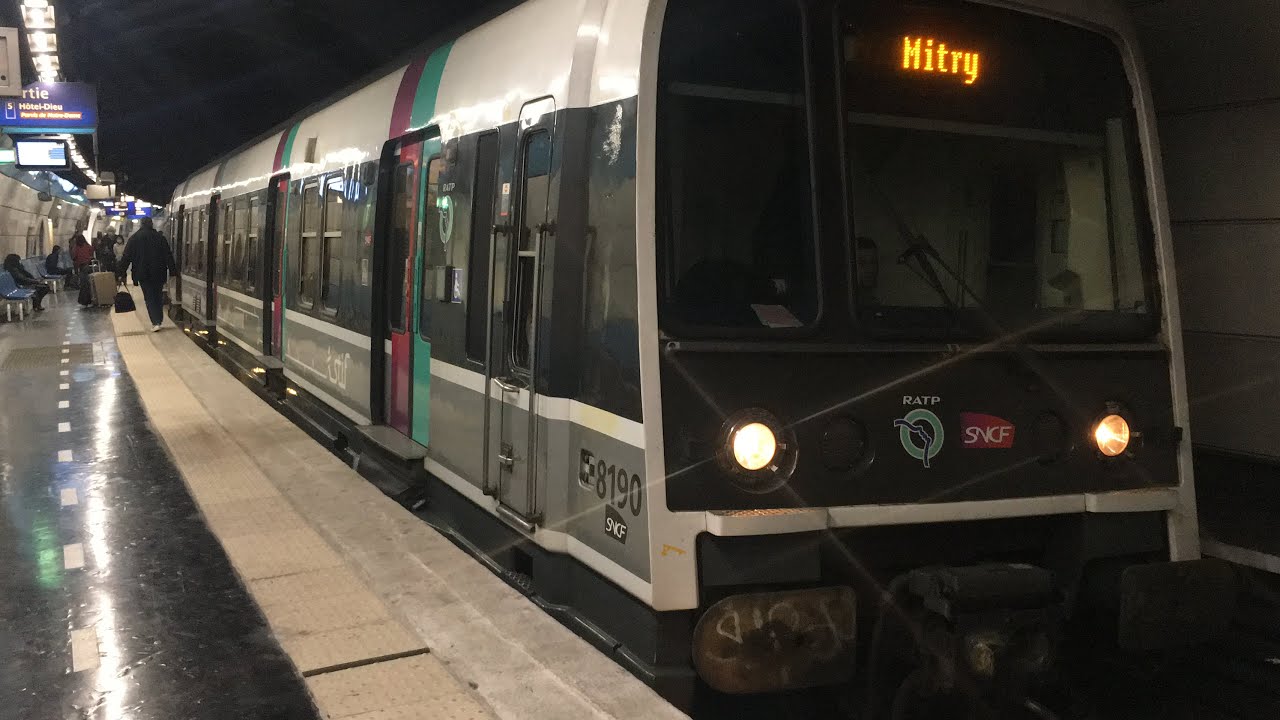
(1227, 275)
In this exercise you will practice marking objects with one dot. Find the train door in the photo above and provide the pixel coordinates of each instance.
(178, 245)
(398, 248)
(512, 403)
(272, 264)
(213, 239)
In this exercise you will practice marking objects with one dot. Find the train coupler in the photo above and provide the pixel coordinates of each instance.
(981, 636)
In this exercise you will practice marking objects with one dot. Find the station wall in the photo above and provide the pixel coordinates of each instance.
(28, 225)
(1217, 92)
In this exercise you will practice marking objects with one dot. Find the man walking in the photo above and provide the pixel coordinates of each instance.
(152, 262)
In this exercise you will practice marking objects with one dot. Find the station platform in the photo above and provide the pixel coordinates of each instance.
(173, 547)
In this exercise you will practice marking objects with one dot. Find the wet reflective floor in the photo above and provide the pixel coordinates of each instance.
(115, 599)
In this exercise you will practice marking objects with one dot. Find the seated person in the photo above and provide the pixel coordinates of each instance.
(24, 279)
(53, 263)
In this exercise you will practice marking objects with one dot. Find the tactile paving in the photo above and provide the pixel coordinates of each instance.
(519, 662)
(321, 613)
(343, 646)
(264, 555)
(419, 681)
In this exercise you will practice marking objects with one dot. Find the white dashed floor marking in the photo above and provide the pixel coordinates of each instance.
(66, 351)
(84, 649)
(69, 497)
(66, 342)
(64, 372)
(73, 556)
(64, 427)
(64, 386)
(65, 361)
(64, 456)
(64, 404)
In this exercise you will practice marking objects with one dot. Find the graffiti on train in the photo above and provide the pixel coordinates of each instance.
(330, 363)
(774, 640)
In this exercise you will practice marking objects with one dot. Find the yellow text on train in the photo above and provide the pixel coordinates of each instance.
(925, 55)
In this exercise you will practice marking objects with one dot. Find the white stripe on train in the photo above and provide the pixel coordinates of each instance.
(548, 407)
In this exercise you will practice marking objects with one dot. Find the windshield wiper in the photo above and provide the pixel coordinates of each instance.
(921, 250)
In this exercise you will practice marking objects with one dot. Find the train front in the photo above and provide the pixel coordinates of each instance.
(915, 346)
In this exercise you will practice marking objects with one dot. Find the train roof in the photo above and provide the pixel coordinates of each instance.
(580, 54)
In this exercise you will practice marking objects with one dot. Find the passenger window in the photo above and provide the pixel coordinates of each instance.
(185, 241)
(536, 163)
(482, 199)
(401, 218)
(286, 209)
(257, 215)
(240, 231)
(431, 222)
(363, 209)
(202, 239)
(224, 242)
(307, 248)
(331, 244)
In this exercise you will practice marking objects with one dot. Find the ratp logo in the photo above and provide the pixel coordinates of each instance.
(921, 434)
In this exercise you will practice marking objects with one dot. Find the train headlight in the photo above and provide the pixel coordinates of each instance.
(757, 452)
(754, 446)
(1112, 435)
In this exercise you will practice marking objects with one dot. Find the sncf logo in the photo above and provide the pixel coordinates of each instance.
(985, 431)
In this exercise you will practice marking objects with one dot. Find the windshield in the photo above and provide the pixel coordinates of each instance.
(736, 241)
(994, 172)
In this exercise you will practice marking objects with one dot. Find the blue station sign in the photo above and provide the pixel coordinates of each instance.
(52, 107)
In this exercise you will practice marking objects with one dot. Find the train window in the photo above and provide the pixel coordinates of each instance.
(482, 200)
(331, 244)
(311, 212)
(257, 218)
(286, 211)
(737, 248)
(363, 211)
(240, 231)
(536, 164)
(186, 240)
(202, 240)
(224, 242)
(402, 200)
(1031, 208)
(431, 219)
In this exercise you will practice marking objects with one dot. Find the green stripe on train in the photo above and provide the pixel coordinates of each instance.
(424, 110)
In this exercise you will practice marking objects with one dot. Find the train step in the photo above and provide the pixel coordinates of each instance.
(393, 443)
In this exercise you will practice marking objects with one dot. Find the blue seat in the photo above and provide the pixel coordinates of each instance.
(11, 294)
(35, 266)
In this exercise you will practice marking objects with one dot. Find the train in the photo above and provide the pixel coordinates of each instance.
(773, 345)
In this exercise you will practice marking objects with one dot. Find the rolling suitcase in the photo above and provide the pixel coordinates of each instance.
(103, 286)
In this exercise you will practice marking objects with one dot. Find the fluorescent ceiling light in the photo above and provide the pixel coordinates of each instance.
(43, 42)
(38, 18)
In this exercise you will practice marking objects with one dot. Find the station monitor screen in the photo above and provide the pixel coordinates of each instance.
(43, 154)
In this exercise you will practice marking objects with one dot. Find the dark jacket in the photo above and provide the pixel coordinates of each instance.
(51, 262)
(21, 277)
(148, 252)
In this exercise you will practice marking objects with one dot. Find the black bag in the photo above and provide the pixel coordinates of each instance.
(124, 302)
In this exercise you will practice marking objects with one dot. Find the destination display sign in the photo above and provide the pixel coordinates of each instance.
(52, 107)
(934, 57)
